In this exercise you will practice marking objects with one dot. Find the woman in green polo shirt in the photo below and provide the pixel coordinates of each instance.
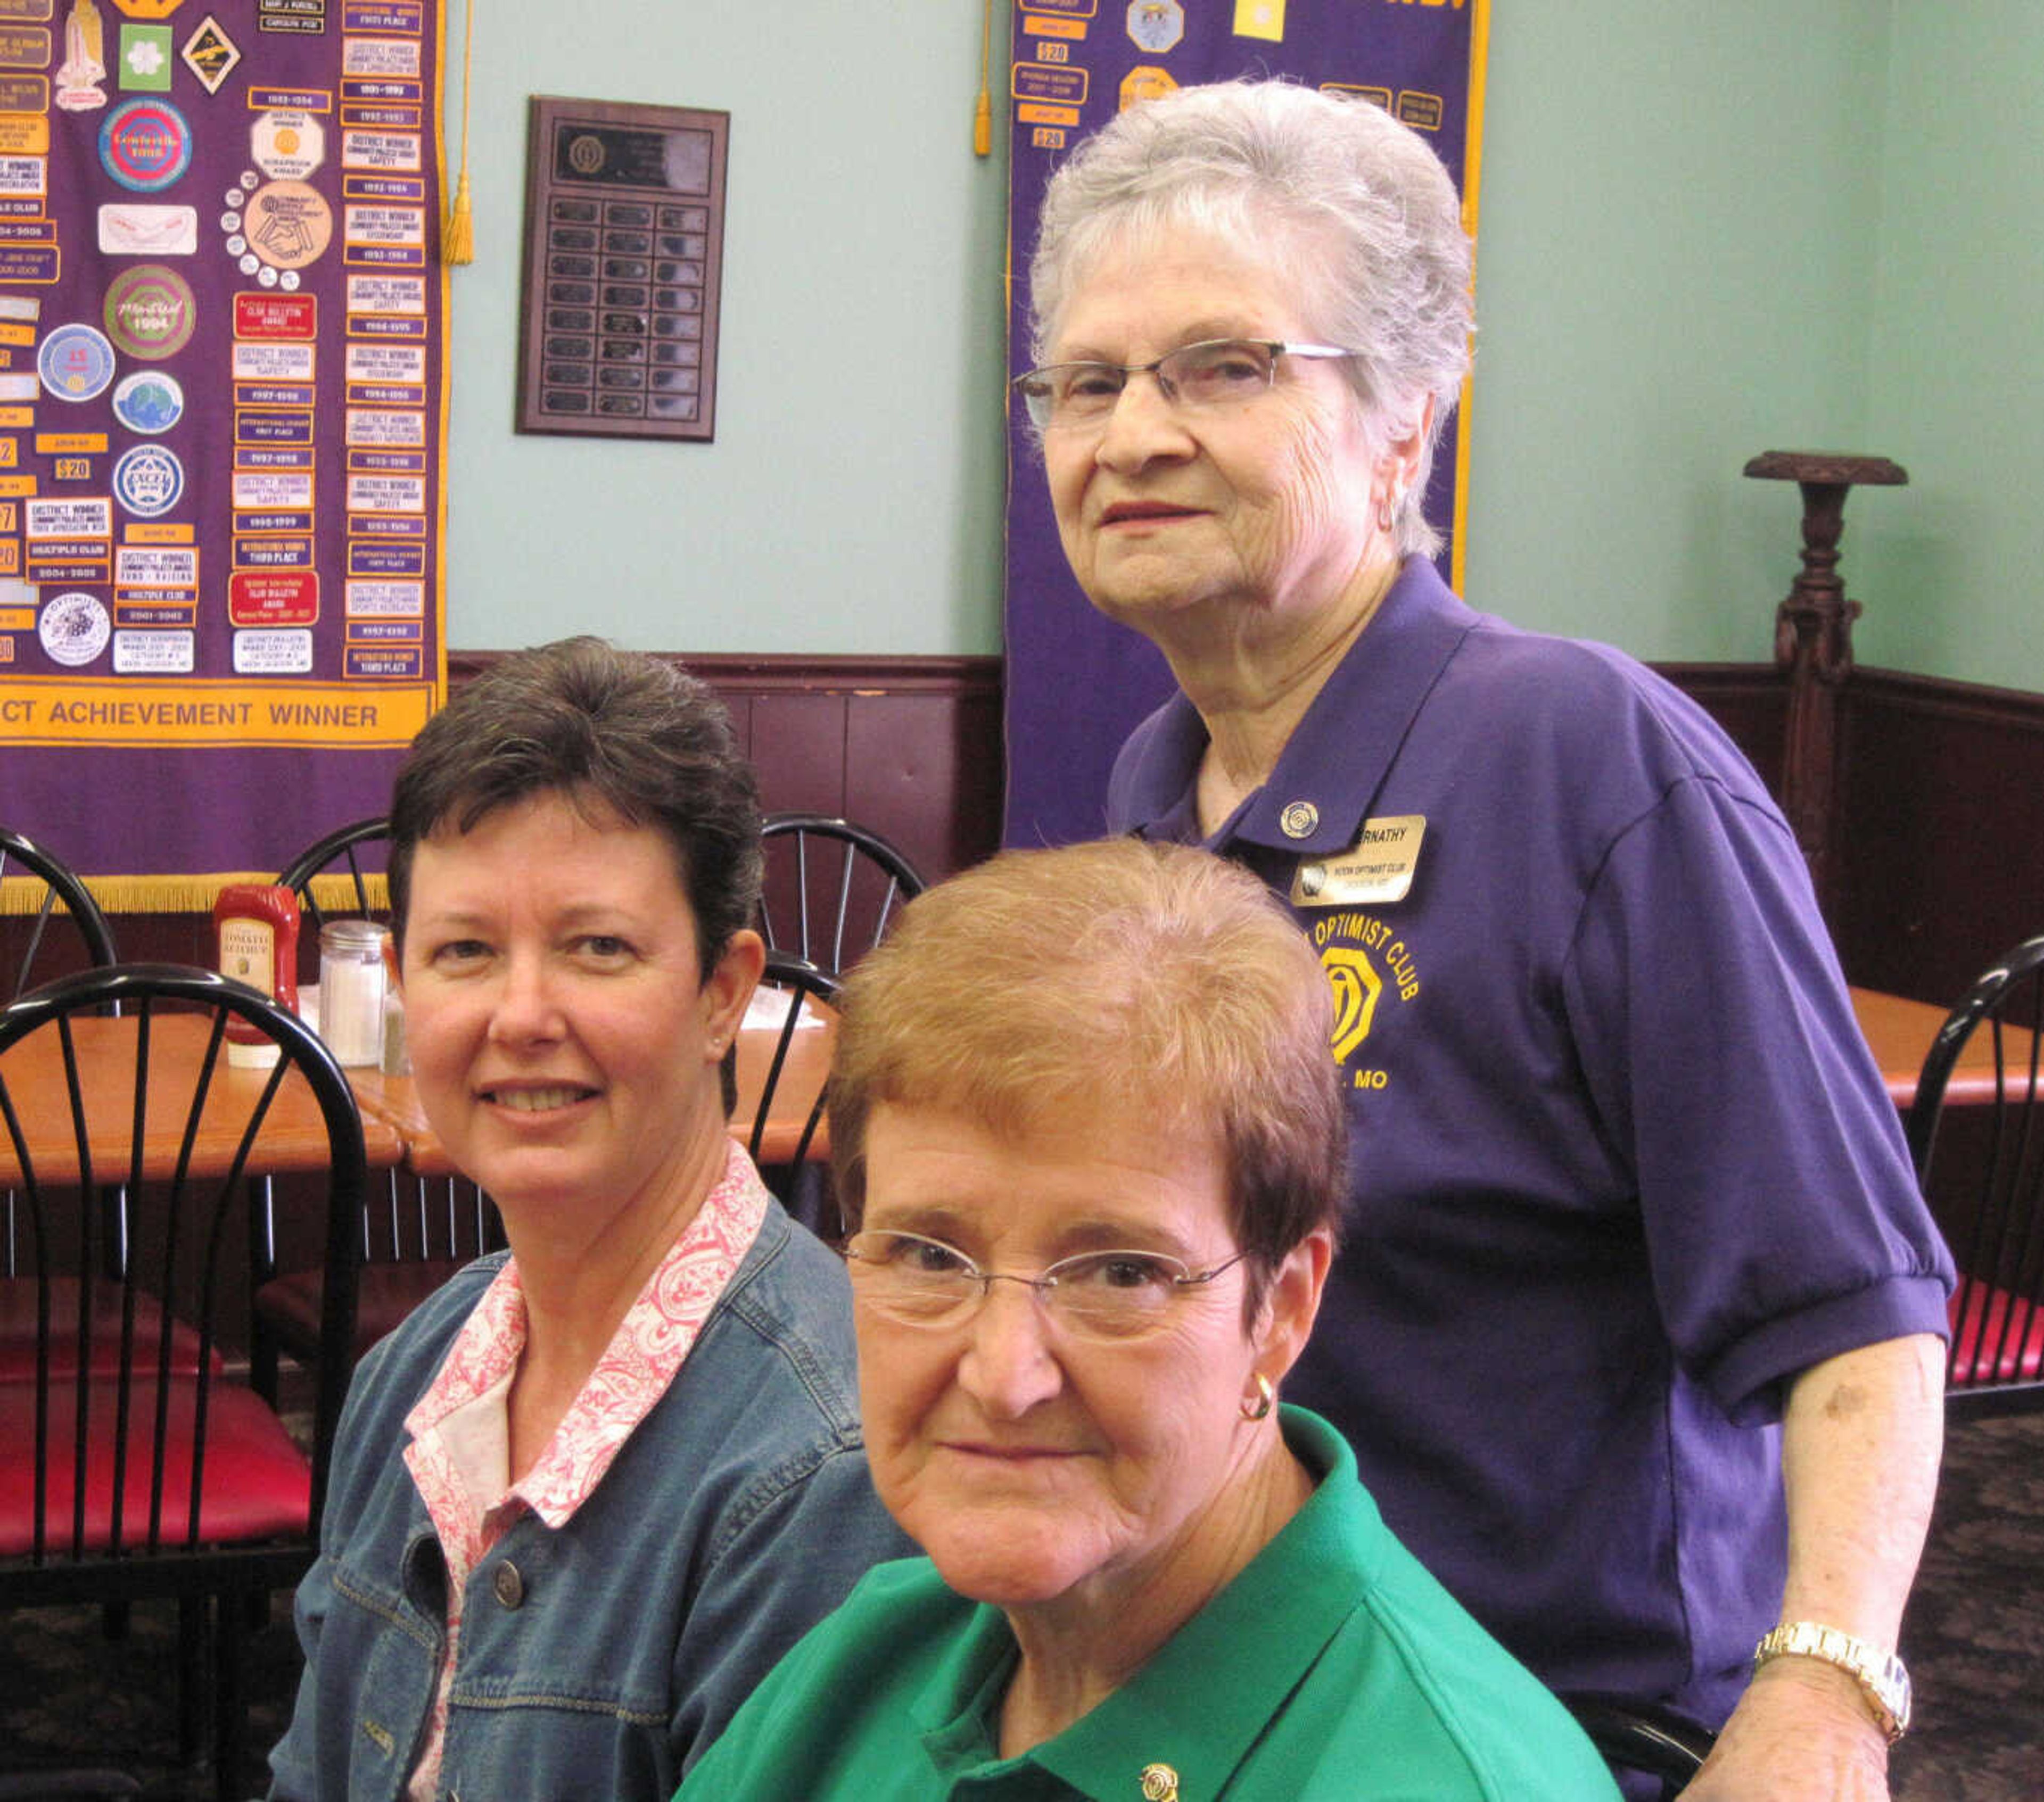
(1087, 1135)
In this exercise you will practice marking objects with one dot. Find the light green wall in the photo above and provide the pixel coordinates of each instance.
(1707, 230)
(1957, 350)
(1675, 263)
(852, 499)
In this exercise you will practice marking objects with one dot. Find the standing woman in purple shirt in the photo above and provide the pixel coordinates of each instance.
(1635, 1325)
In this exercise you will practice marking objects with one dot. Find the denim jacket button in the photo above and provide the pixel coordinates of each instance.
(509, 1585)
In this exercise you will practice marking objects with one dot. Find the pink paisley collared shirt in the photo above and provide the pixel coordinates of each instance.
(459, 1456)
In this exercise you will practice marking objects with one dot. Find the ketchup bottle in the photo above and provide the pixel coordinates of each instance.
(255, 937)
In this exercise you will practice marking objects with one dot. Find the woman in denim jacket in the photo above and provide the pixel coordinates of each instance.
(585, 1496)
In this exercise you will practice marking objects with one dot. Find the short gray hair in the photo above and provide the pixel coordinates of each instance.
(1359, 202)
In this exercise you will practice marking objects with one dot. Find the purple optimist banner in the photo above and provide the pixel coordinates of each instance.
(222, 412)
(1077, 684)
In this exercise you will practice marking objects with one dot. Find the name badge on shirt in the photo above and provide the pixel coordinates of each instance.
(1378, 868)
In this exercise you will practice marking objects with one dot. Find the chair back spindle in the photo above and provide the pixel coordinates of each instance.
(812, 995)
(831, 888)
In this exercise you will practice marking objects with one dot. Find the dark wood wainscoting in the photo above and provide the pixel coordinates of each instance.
(1942, 826)
(909, 746)
(1940, 803)
(1939, 820)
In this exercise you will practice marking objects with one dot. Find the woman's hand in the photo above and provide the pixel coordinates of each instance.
(1802, 1730)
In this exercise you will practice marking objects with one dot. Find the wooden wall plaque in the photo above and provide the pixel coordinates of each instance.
(624, 263)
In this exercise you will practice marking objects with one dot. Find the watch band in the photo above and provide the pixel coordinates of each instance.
(1880, 1675)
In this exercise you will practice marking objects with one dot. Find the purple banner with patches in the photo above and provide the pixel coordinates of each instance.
(222, 427)
(1077, 684)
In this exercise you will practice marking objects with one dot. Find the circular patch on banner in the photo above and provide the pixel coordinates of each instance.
(75, 363)
(145, 144)
(287, 147)
(148, 401)
(74, 628)
(287, 224)
(149, 480)
(149, 312)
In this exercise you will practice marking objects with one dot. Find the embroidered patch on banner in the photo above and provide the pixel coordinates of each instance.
(75, 363)
(145, 145)
(1156, 26)
(147, 59)
(84, 66)
(287, 146)
(149, 312)
(135, 228)
(148, 401)
(149, 480)
(211, 54)
(287, 224)
(74, 628)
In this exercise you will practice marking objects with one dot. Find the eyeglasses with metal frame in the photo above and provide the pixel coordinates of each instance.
(1216, 372)
(1115, 1294)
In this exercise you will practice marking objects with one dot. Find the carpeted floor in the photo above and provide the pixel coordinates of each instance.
(1974, 1640)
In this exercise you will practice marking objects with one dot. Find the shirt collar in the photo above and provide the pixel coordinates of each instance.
(1339, 755)
(634, 1372)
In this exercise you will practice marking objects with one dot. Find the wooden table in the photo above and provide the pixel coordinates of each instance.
(292, 1139)
(1899, 1031)
(395, 1100)
(395, 1132)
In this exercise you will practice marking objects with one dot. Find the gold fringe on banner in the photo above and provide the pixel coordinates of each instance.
(187, 894)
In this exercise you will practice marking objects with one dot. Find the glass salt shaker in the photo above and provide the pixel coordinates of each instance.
(354, 978)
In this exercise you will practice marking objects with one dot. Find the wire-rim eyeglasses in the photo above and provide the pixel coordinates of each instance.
(1215, 372)
(1115, 1293)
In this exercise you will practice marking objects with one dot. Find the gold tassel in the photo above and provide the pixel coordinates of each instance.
(982, 117)
(458, 240)
(458, 234)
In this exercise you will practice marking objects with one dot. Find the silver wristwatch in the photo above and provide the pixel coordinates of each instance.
(1880, 1674)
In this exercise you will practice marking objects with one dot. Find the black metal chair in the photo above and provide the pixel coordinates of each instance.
(331, 884)
(830, 884)
(35, 954)
(1995, 1365)
(418, 1232)
(802, 1187)
(1651, 1742)
(154, 1479)
(61, 888)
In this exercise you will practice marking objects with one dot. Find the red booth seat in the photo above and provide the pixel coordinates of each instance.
(257, 1484)
(17, 1332)
(1979, 1314)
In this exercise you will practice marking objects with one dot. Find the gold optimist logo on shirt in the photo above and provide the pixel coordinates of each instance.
(1376, 870)
(1371, 970)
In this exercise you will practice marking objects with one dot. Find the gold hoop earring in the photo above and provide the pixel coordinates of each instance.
(1265, 1396)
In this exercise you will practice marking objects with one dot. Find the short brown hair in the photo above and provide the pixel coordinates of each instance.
(586, 720)
(1154, 982)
